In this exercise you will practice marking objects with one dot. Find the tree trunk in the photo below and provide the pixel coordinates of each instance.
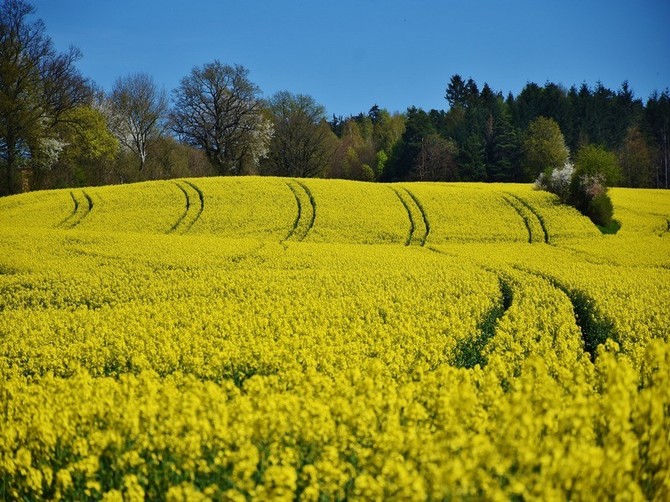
(11, 161)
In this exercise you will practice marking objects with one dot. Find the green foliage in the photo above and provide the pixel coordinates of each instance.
(593, 160)
(87, 135)
(601, 210)
(543, 147)
(367, 173)
(610, 229)
(38, 86)
(382, 159)
(300, 145)
(636, 160)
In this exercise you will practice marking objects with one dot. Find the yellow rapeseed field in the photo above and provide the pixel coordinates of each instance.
(286, 339)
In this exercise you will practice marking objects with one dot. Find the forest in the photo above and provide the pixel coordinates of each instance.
(59, 129)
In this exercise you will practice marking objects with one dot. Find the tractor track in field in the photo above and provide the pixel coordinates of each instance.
(298, 215)
(82, 208)
(595, 328)
(306, 216)
(412, 225)
(302, 223)
(470, 351)
(518, 211)
(188, 205)
(547, 239)
(72, 213)
(415, 224)
(195, 205)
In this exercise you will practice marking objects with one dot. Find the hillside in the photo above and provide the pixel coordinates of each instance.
(277, 209)
(271, 338)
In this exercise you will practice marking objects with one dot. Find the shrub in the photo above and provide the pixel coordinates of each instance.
(585, 190)
(557, 181)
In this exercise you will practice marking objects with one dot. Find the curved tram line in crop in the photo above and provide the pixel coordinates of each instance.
(530, 208)
(409, 216)
(195, 204)
(418, 228)
(83, 205)
(515, 204)
(306, 212)
(422, 224)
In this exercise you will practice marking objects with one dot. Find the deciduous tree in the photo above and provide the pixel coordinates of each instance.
(218, 109)
(38, 87)
(300, 144)
(543, 148)
(593, 160)
(137, 109)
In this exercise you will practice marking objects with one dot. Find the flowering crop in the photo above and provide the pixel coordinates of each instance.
(269, 339)
(643, 211)
(354, 212)
(467, 212)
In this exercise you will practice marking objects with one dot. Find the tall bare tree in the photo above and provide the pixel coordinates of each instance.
(138, 112)
(38, 87)
(218, 109)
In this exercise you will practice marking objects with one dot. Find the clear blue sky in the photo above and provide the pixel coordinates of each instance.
(352, 54)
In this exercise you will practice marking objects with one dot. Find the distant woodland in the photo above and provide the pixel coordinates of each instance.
(58, 129)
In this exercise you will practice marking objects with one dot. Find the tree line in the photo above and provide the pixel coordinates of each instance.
(57, 129)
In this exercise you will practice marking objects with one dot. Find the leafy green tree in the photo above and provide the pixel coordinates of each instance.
(471, 159)
(387, 130)
(300, 144)
(418, 126)
(456, 92)
(543, 148)
(38, 87)
(626, 114)
(346, 162)
(593, 160)
(503, 152)
(595, 170)
(88, 145)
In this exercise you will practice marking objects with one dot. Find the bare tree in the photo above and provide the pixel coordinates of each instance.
(435, 160)
(299, 146)
(218, 109)
(38, 86)
(138, 112)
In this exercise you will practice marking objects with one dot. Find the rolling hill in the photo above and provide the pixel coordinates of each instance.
(305, 339)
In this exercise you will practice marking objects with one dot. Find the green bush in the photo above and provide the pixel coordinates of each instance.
(601, 210)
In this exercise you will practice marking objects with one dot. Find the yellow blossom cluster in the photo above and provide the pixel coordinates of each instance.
(268, 339)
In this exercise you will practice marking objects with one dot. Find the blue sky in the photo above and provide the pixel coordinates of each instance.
(352, 54)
